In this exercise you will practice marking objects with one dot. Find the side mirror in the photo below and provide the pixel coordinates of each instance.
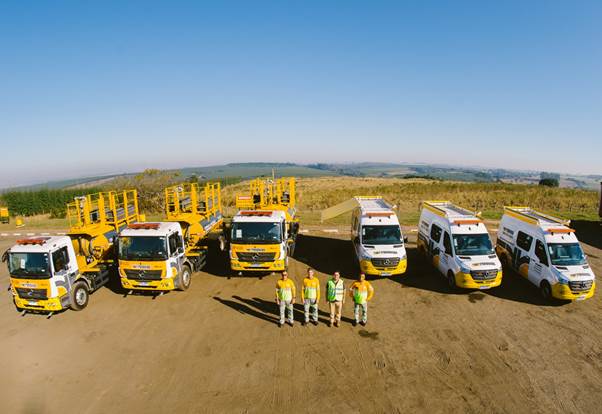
(356, 240)
(223, 242)
(5, 256)
(405, 239)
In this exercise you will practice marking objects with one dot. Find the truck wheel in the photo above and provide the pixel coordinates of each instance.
(546, 290)
(184, 278)
(79, 296)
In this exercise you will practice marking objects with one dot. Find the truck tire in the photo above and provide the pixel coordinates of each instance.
(79, 296)
(546, 290)
(184, 278)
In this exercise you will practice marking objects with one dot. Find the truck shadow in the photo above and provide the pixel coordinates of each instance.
(327, 255)
(589, 232)
(267, 310)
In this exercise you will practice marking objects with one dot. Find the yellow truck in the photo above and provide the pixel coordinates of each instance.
(49, 274)
(263, 232)
(4, 217)
(162, 256)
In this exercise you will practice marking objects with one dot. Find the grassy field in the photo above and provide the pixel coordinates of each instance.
(316, 194)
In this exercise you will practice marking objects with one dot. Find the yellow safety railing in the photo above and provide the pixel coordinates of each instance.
(188, 198)
(111, 208)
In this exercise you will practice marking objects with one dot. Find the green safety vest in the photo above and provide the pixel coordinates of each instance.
(335, 291)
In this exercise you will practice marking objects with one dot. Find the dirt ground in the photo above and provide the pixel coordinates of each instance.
(217, 348)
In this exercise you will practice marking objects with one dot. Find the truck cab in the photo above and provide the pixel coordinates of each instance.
(45, 275)
(259, 241)
(152, 257)
(546, 251)
(458, 244)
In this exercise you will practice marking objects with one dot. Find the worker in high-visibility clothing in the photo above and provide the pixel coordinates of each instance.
(285, 298)
(335, 295)
(361, 291)
(310, 295)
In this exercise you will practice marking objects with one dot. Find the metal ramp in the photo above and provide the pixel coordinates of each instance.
(367, 204)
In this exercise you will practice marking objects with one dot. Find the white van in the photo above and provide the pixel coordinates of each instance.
(457, 242)
(375, 233)
(546, 251)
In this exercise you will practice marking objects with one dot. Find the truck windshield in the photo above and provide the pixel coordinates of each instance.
(381, 235)
(472, 244)
(142, 248)
(29, 265)
(261, 233)
(566, 254)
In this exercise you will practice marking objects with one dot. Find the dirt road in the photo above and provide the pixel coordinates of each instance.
(216, 348)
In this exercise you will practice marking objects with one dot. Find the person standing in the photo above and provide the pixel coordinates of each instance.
(310, 295)
(361, 291)
(285, 298)
(335, 295)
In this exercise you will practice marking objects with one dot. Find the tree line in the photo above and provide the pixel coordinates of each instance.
(42, 201)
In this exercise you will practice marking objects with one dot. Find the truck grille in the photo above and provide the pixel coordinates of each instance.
(136, 274)
(483, 274)
(255, 257)
(27, 293)
(385, 261)
(581, 285)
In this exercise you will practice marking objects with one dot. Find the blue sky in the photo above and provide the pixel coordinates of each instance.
(103, 87)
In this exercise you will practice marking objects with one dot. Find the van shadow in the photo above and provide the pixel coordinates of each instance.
(269, 311)
(326, 255)
(422, 275)
(589, 232)
(516, 288)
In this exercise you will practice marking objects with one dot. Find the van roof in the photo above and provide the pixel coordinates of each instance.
(255, 216)
(373, 205)
(449, 210)
(39, 244)
(534, 217)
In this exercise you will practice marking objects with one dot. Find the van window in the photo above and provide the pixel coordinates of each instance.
(447, 244)
(540, 252)
(523, 240)
(435, 233)
(60, 258)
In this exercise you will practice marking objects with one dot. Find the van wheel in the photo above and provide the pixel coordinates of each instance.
(451, 281)
(79, 296)
(546, 290)
(184, 278)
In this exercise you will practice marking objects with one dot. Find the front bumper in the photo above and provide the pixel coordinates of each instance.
(564, 292)
(465, 280)
(162, 284)
(272, 266)
(44, 305)
(368, 268)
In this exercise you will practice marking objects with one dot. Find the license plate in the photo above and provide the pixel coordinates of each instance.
(32, 302)
(143, 284)
(385, 274)
(582, 297)
(484, 287)
(256, 265)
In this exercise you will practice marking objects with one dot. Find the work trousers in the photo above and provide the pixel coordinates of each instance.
(288, 306)
(336, 308)
(311, 304)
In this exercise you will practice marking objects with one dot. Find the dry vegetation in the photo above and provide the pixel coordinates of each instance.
(316, 194)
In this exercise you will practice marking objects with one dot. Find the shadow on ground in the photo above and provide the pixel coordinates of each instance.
(268, 310)
(589, 232)
(327, 255)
